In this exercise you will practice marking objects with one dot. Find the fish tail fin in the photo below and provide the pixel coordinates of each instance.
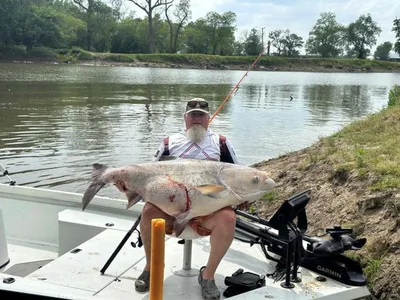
(95, 186)
(98, 170)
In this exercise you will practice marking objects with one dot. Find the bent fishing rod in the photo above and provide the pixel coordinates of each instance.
(235, 88)
(137, 222)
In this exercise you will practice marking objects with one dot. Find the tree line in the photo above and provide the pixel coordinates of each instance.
(105, 26)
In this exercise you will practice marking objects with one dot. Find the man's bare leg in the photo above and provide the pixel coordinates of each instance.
(222, 226)
(150, 212)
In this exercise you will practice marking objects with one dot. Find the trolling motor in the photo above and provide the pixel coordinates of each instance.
(325, 256)
(338, 243)
(279, 235)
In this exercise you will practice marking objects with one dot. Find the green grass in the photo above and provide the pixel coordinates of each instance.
(394, 96)
(20, 53)
(270, 196)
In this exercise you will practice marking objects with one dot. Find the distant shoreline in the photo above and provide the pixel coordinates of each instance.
(198, 61)
(319, 69)
(238, 67)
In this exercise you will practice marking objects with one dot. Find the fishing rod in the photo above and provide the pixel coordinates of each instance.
(235, 87)
(5, 173)
(121, 244)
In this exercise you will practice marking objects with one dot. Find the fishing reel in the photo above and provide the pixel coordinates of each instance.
(340, 241)
(139, 242)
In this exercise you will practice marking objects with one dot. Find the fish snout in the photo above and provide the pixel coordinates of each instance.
(269, 184)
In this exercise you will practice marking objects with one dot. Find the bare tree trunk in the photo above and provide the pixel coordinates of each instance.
(151, 33)
(148, 9)
(89, 14)
(170, 28)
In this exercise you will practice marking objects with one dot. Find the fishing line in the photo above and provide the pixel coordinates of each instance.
(235, 88)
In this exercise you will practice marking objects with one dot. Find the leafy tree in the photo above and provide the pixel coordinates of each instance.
(100, 21)
(326, 37)
(238, 48)
(161, 29)
(11, 12)
(396, 29)
(252, 44)
(88, 7)
(291, 42)
(148, 7)
(130, 36)
(361, 35)
(212, 35)
(103, 24)
(40, 26)
(196, 37)
(220, 28)
(382, 51)
(228, 46)
(276, 38)
(182, 14)
(73, 31)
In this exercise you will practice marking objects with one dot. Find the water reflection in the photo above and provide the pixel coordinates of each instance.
(328, 103)
(56, 121)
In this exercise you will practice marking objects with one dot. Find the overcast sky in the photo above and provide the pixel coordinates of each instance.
(299, 16)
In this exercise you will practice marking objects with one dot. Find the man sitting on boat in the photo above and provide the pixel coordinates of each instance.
(196, 142)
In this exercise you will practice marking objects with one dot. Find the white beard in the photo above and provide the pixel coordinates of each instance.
(196, 133)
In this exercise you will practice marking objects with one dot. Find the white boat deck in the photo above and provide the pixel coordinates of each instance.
(43, 269)
(79, 273)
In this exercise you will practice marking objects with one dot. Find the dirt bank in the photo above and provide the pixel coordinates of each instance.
(344, 198)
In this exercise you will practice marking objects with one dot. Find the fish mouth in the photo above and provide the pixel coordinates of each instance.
(269, 184)
(251, 197)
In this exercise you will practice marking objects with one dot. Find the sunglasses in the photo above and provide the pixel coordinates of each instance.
(197, 104)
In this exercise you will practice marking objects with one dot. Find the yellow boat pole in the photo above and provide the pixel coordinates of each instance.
(157, 259)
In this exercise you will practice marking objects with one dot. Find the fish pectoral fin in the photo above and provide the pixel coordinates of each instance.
(133, 198)
(213, 190)
(181, 222)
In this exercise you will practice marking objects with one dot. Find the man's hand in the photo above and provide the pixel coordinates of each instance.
(243, 206)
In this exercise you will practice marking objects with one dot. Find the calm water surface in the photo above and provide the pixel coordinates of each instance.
(56, 120)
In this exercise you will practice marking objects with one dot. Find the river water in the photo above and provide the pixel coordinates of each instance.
(56, 120)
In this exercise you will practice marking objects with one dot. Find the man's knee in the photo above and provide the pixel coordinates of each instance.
(226, 216)
(150, 210)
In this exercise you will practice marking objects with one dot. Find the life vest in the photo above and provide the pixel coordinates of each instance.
(184, 148)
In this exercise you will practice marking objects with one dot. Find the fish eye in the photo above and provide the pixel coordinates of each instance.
(256, 179)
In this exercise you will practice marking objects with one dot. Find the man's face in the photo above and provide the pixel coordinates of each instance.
(196, 117)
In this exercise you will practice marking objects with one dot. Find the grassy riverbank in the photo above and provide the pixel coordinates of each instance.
(354, 178)
(198, 61)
